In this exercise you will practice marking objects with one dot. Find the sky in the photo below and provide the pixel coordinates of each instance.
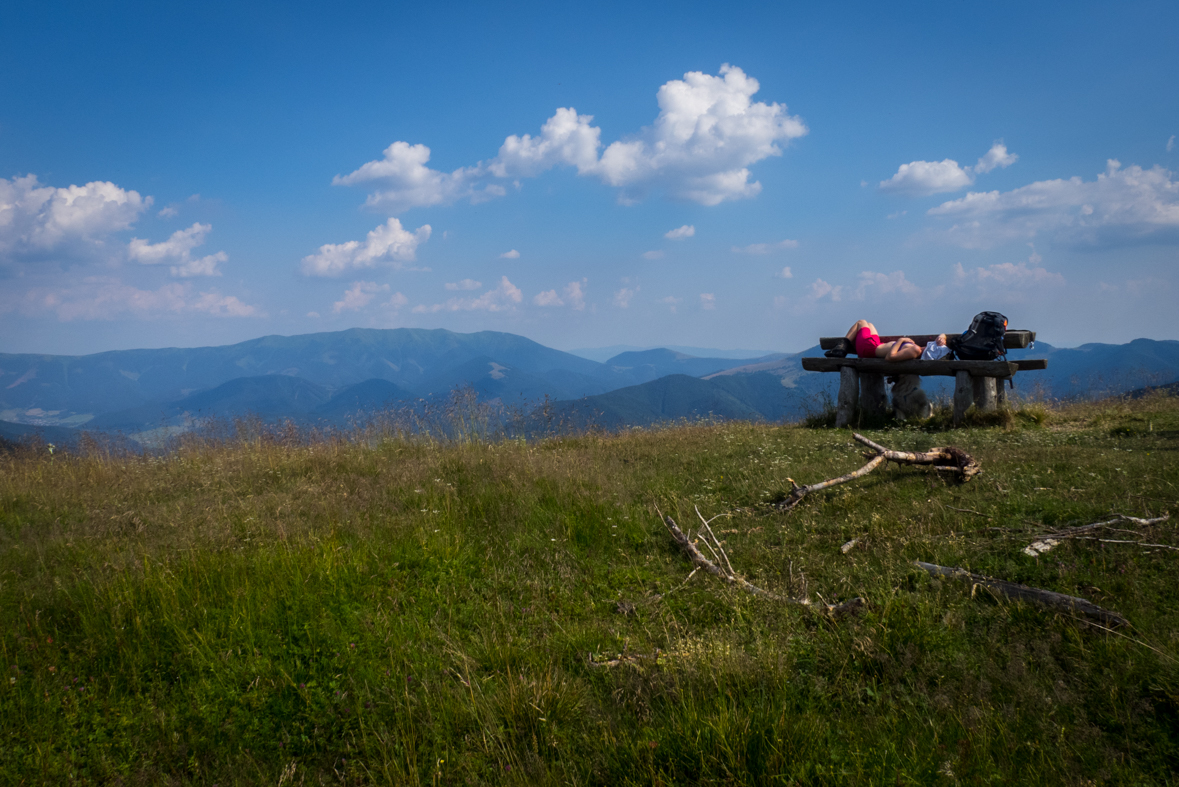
(706, 174)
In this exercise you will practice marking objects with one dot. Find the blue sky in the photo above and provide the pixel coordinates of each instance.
(715, 175)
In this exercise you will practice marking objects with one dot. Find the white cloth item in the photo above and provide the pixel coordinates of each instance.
(934, 352)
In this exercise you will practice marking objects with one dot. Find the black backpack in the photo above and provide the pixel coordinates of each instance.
(983, 341)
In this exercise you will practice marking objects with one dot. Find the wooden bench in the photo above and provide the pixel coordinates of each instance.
(975, 382)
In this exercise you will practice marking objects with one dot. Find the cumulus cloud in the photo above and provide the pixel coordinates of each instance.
(820, 289)
(178, 249)
(1171, 143)
(168, 212)
(686, 231)
(765, 248)
(359, 295)
(106, 298)
(389, 244)
(707, 301)
(785, 273)
(503, 298)
(707, 134)
(1009, 275)
(623, 297)
(573, 296)
(465, 284)
(653, 255)
(35, 219)
(882, 284)
(922, 178)
(510, 255)
(396, 302)
(1120, 207)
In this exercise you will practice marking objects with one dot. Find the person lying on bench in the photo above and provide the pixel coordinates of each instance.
(866, 342)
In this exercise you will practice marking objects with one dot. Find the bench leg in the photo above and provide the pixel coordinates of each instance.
(849, 388)
(873, 399)
(963, 396)
(1001, 393)
(984, 394)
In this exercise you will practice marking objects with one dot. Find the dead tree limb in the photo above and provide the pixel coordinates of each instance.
(730, 576)
(1044, 598)
(1047, 542)
(948, 459)
(797, 493)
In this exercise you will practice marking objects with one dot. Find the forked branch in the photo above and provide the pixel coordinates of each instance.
(726, 572)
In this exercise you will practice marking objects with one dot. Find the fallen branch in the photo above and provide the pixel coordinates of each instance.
(797, 493)
(1046, 543)
(948, 459)
(1045, 598)
(726, 572)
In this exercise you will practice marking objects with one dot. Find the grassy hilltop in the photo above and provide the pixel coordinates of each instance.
(272, 610)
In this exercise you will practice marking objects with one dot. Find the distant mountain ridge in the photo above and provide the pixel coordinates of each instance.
(332, 377)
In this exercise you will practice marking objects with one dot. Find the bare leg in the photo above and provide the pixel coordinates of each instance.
(851, 335)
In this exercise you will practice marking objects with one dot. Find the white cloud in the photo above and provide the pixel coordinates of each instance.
(706, 136)
(653, 255)
(1008, 275)
(168, 212)
(510, 255)
(35, 219)
(623, 297)
(575, 295)
(707, 301)
(548, 298)
(503, 298)
(1120, 207)
(896, 215)
(785, 273)
(396, 302)
(922, 178)
(671, 302)
(178, 249)
(997, 156)
(388, 244)
(465, 284)
(821, 289)
(359, 295)
(107, 298)
(686, 231)
(765, 248)
(1171, 143)
(781, 301)
(883, 284)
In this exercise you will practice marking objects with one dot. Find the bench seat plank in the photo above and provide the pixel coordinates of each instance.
(1012, 340)
(925, 368)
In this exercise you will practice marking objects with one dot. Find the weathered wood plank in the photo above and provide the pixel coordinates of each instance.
(924, 368)
(849, 388)
(963, 396)
(1014, 340)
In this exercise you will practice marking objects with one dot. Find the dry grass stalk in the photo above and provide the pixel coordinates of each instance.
(730, 576)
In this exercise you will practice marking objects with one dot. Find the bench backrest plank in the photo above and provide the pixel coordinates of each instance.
(924, 368)
(1013, 340)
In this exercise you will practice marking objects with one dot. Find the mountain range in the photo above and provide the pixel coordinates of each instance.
(330, 377)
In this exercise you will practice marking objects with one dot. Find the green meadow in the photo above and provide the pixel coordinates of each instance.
(281, 609)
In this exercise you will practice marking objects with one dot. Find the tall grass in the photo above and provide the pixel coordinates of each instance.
(405, 606)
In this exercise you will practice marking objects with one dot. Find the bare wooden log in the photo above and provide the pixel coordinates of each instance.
(948, 459)
(845, 410)
(797, 493)
(984, 393)
(941, 368)
(873, 398)
(963, 396)
(1044, 598)
(730, 576)
(1001, 392)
